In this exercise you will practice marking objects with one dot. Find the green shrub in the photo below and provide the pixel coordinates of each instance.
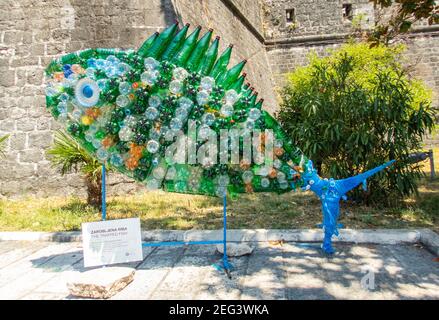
(356, 109)
(69, 156)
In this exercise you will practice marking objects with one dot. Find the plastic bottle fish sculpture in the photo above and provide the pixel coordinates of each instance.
(125, 108)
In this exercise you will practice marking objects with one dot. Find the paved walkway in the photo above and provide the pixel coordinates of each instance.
(40, 270)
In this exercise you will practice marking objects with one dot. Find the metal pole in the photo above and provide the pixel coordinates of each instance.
(225, 230)
(104, 203)
(432, 173)
(227, 266)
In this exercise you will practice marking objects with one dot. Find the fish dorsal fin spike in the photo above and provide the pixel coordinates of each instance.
(176, 43)
(183, 54)
(253, 99)
(209, 58)
(161, 42)
(222, 62)
(248, 91)
(147, 44)
(200, 49)
(259, 104)
(238, 85)
(230, 76)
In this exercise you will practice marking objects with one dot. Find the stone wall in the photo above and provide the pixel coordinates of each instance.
(285, 58)
(251, 10)
(423, 54)
(312, 17)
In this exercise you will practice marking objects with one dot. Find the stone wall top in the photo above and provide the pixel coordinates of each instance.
(313, 17)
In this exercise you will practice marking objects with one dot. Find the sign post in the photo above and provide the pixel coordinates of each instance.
(112, 241)
(104, 196)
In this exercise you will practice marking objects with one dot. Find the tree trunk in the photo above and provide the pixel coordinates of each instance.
(94, 191)
(318, 166)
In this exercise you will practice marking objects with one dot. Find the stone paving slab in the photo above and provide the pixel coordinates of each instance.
(26, 264)
(273, 271)
(15, 251)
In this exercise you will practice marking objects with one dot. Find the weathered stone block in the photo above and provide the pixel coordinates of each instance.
(17, 113)
(35, 76)
(7, 125)
(31, 155)
(40, 139)
(18, 141)
(23, 170)
(20, 77)
(25, 124)
(24, 61)
(7, 78)
(102, 283)
(235, 249)
(4, 113)
(12, 37)
(55, 48)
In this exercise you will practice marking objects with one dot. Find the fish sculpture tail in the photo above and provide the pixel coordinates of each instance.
(330, 192)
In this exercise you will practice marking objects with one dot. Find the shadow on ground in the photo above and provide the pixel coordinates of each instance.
(290, 271)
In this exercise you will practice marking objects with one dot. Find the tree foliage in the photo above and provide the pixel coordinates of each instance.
(69, 156)
(356, 109)
(405, 14)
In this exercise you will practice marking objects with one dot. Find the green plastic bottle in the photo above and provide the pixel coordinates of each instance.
(209, 59)
(232, 75)
(222, 62)
(188, 46)
(200, 49)
(259, 104)
(253, 100)
(238, 85)
(245, 87)
(147, 44)
(246, 92)
(176, 43)
(162, 41)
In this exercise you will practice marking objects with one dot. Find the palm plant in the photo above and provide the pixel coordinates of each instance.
(2, 145)
(69, 156)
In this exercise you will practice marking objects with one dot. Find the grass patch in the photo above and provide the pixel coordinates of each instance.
(160, 210)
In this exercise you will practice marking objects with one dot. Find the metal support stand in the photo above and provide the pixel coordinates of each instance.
(104, 196)
(226, 265)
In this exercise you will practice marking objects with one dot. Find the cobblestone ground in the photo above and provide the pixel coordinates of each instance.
(39, 270)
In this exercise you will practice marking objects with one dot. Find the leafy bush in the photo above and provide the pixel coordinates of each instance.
(356, 109)
(67, 154)
(401, 18)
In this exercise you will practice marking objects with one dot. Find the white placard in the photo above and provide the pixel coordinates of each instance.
(111, 241)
